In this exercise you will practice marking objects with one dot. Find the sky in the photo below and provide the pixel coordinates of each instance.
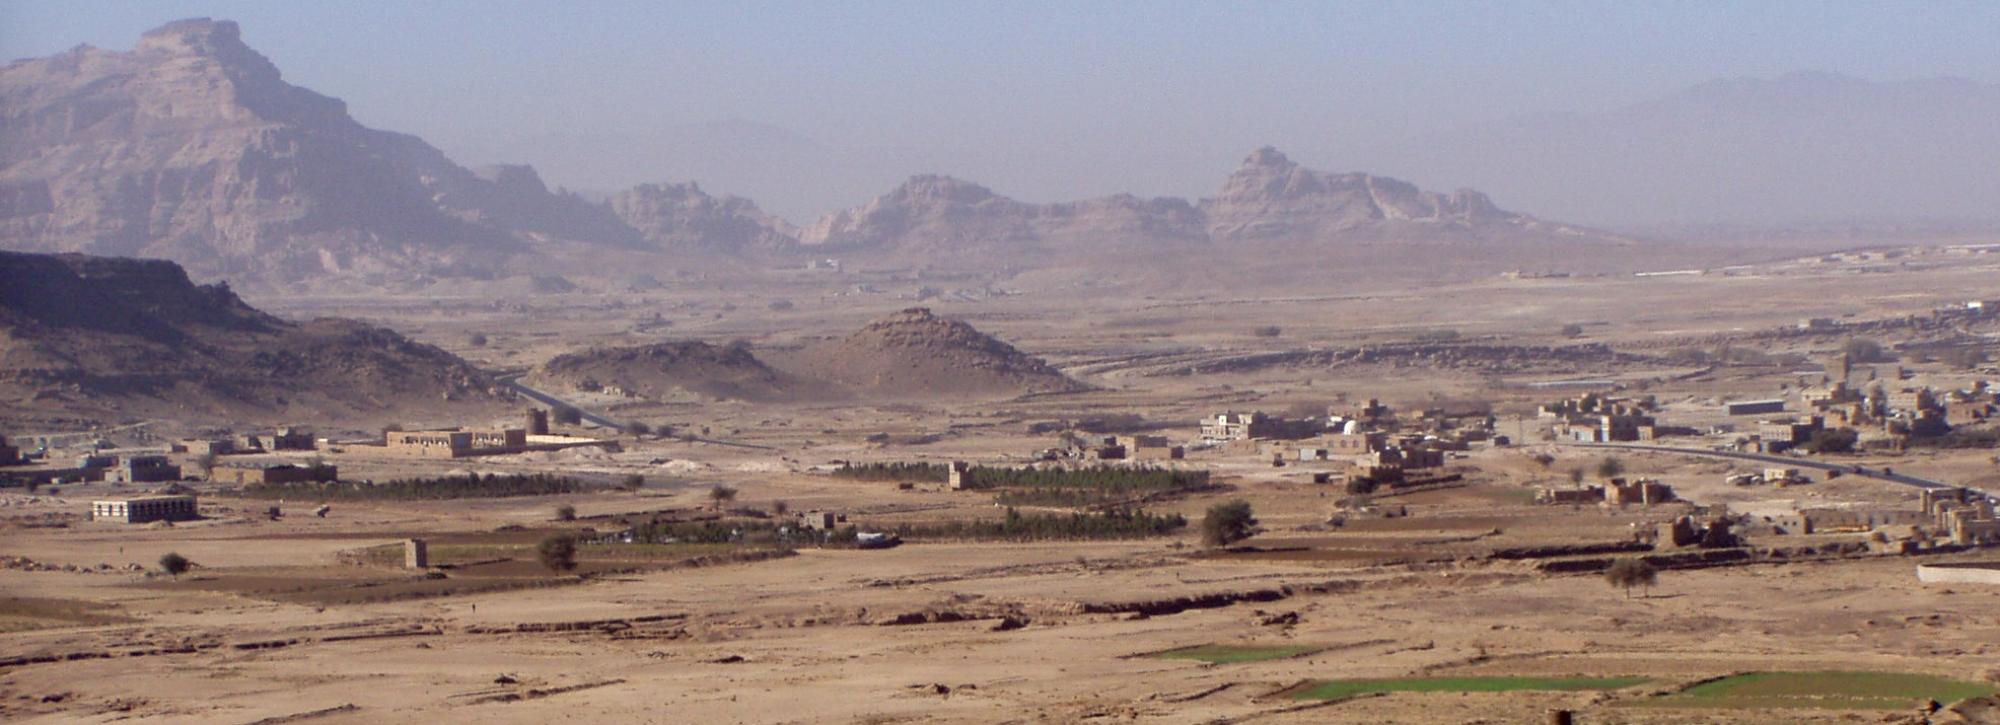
(1042, 101)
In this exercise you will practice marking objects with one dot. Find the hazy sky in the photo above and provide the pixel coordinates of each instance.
(1043, 101)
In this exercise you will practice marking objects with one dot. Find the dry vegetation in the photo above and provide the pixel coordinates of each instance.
(1063, 605)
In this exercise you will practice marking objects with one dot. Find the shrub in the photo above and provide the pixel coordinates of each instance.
(423, 489)
(565, 512)
(720, 495)
(1610, 467)
(175, 565)
(1051, 527)
(1833, 440)
(1228, 523)
(1628, 573)
(632, 482)
(1572, 330)
(477, 340)
(568, 415)
(1268, 331)
(557, 552)
(638, 429)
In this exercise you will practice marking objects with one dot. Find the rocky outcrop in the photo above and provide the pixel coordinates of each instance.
(192, 147)
(915, 353)
(670, 369)
(683, 217)
(1272, 198)
(943, 214)
(1269, 199)
(94, 336)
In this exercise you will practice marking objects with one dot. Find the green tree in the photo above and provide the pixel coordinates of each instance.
(780, 507)
(565, 512)
(557, 552)
(1228, 523)
(175, 565)
(1633, 572)
(1833, 440)
(1610, 467)
(720, 495)
(638, 429)
(568, 415)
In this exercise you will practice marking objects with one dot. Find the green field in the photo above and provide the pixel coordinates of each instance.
(1223, 654)
(1824, 690)
(1336, 689)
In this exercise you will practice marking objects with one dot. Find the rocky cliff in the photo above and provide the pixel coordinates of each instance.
(192, 147)
(683, 217)
(94, 339)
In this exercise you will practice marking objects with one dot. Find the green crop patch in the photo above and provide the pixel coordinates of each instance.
(1820, 690)
(1336, 689)
(1222, 654)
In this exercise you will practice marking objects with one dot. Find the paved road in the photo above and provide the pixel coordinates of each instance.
(1788, 461)
(514, 382)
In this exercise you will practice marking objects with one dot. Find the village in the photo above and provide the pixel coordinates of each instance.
(1208, 535)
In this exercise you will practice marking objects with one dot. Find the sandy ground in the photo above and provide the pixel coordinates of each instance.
(804, 639)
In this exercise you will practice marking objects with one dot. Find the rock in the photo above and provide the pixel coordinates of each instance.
(682, 216)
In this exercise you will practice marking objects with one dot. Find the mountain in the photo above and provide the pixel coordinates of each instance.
(669, 370)
(916, 354)
(192, 147)
(1808, 147)
(683, 217)
(1269, 199)
(87, 338)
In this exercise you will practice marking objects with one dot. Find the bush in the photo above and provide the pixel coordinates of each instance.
(1228, 523)
(557, 552)
(632, 482)
(1572, 330)
(1051, 527)
(568, 415)
(175, 565)
(1268, 331)
(1833, 440)
(423, 489)
(565, 512)
(779, 305)
(1631, 572)
(720, 495)
(1610, 467)
(477, 340)
(638, 429)
(929, 472)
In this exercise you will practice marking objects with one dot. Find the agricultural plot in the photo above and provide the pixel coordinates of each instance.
(1337, 689)
(1821, 690)
(1226, 654)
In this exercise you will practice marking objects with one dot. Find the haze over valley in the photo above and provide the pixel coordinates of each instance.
(1163, 363)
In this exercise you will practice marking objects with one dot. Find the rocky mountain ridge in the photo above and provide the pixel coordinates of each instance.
(87, 338)
(192, 147)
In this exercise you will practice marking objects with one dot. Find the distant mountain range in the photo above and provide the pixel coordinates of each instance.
(192, 148)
